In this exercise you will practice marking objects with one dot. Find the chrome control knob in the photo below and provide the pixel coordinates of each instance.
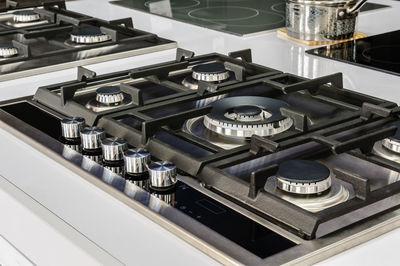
(91, 138)
(212, 72)
(109, 95)
(23, 16)
(113, 149)
(71, 127)
(162, 174)
(136, 160)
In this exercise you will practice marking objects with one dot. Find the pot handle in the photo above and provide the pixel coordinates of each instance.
(351, 9)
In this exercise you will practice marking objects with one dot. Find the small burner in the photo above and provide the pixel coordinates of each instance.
(8, 50)
(393, 143)
(244, 116)
(303, 177)
(108, 97)
(88, 35)
(212, 72)
(24, 16)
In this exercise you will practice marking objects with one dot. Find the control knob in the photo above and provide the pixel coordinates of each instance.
(91, 138)
(71, 127)
(136, 160)
(113, 149)
(162, 174)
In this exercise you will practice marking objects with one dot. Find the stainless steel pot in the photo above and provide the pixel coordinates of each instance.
(322, 20)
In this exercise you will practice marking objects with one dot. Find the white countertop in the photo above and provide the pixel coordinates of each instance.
(268, 50)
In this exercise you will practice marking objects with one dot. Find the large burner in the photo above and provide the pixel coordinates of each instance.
(244, 116)
(211, 72)
(303, 177)
(108, 97)
(88, 35)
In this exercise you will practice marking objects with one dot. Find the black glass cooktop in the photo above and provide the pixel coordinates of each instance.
(380, 52)
(233, 16)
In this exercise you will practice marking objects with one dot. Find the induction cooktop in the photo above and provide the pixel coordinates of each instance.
(232, 16)
(380, 52)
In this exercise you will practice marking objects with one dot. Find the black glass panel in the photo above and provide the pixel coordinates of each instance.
(35, 117)
(245, 232)
(380, 52)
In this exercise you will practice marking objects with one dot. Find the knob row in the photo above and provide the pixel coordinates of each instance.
(162, 174)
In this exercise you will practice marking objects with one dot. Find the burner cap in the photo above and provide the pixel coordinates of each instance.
(247, 113)
(8, 50)
(23, 16)
(303, 177)
(88, 35)
(393, 143)
(212, 72)
(109, 95)
(244, 116)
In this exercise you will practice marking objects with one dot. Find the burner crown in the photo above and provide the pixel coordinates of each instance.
(136, 160)
(88, 35)
(393, 143)
(212, 72)
(244, 116)
(8, 50)
(303, 177)
(109, 95)
(23, 16)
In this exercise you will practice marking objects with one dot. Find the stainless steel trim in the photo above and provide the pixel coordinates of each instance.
(88, 61)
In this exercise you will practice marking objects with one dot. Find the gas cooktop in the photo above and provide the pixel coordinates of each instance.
(235, 17)
(379, 52)
(50, 38)
(264, 166)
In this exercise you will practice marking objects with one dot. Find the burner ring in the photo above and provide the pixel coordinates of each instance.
(303, 177)
(393, 143)
(24, 16)
(88, 35)
(223, 120)
(212, 72)
(109, 95)
(8, 50)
